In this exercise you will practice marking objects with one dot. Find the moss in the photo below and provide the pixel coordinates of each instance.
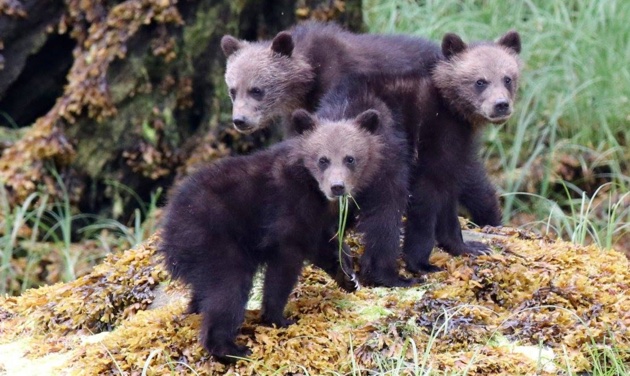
(96, 302)
(203, 30)
(480, 311)
(348, 12)
(87, 92)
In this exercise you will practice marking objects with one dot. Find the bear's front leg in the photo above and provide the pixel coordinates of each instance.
(380, 224)
(422, 214)
(479, 197)
(337, 264)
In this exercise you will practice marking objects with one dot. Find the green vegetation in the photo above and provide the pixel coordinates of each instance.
(344, 207)
(44, 241)
(562, 160)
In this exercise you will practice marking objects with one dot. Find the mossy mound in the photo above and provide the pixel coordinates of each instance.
(484, 314)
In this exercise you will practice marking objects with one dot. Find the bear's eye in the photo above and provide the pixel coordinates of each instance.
(507, 80)
(349, 160)
(256, 93)
(232, 93)
(323, 162)
(481, 83)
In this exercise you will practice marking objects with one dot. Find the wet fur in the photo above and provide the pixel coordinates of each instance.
(228, 219)
(383, 202)
(322, 55)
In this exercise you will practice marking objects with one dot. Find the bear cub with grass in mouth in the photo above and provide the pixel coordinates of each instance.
(277, 207)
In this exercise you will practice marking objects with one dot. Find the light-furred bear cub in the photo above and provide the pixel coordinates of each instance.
(276, 207)
(268, 80)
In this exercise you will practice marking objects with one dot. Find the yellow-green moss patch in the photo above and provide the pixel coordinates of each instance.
(487, 315)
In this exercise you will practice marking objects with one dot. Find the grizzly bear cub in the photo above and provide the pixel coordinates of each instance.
(380, 207)
(277, 208)
(442, 115)
(472, 86)
(268, 80)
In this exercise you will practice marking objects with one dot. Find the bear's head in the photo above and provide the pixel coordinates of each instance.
(480, 80)
(343, 156)
(265, 80)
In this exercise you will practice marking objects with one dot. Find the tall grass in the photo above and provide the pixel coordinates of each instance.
(42, 228)
(573, 100)
(144, 221)
(14, 220)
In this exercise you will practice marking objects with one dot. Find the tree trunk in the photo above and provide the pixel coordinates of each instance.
(125, 95)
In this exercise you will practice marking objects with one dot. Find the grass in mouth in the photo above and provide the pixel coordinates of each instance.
(344, 207)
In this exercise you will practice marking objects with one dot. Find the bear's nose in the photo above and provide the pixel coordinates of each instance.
(338, 189)
(239, 122)
(502, 107)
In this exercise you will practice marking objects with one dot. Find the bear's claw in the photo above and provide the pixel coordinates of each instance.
(230, 353)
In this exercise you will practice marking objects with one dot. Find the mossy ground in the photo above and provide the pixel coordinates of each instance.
(484, 314)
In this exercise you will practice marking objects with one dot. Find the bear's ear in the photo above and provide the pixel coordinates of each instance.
(369, 120)
(230, 45)
(452, 44)
(302, 121)
(511, 40)
(283, 44)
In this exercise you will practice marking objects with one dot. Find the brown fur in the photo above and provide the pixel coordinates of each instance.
(268, 208)
(284, 79)
(472, 86)
(382, 203)
(297, 68)
(490, 64)
(336, 142)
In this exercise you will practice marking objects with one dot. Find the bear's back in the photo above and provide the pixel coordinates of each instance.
(229, 199)
(335, 53)
(365, 53)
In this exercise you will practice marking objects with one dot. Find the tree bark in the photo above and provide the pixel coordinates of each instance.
(126, 94)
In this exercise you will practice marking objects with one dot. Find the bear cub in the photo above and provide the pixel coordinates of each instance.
(268, 80)
(277, 208)
(441, 116)
(381, 205)
(473, 85)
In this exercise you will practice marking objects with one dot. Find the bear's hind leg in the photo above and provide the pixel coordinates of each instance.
(221, 299)
(449, 234)
(193, 305)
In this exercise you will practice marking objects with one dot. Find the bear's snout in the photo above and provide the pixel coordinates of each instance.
(338, 189)
(501, 108)
(497, 110)
(242, 124)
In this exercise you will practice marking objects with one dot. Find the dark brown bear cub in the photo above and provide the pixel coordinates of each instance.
(441, 116)
(274, 208)
(472, 86)
(382, 204)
